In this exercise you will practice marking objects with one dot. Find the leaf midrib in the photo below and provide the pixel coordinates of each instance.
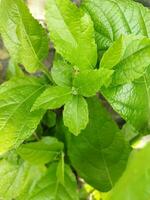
(28, 39)
(41, 150)
(73, 36)
(134, 54)
(55, 98)
(102, 156)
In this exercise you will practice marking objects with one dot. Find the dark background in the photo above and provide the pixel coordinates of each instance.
(144, 2)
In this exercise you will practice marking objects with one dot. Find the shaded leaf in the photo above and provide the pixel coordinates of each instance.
(61, 169)
(41, 152)
(100, 153)
(49, 119)
(49, 188)
(137, 175)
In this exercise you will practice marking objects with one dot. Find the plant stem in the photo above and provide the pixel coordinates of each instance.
(47, 73)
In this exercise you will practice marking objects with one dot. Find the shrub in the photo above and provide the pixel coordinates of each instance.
(56, 134)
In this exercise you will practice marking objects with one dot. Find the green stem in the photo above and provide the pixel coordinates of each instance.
(47, 73)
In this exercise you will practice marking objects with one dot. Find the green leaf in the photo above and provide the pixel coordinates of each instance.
(23, 36)
(41, 152)
(62, 72)
(72, 32)
(49, 119)
(18, 179)
(129, 131)
(99, 154)
(75, 114)
(106, 76)
(112, 18)
(17, 123)
(135, 182)
(50, 188)
(13, 70)
(61, 169)
(131, 100)
(129, 57)
(52, 98)
(87, 82)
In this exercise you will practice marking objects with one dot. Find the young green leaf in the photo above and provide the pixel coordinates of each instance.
(62, 72)
(137, 176)
(99, 154)
(88, 82)
(41, 152)
(52, 98)
(112, 18)
(106, 76)
(115, 52)
(75, 114)
(129, 57)
(17, 123)
(24, 37)
(17, 180)
(72, 32)
(50, 188)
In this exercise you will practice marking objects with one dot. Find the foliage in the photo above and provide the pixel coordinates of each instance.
(56, 134)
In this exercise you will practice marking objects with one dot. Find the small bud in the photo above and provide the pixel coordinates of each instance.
(76, 70)
(74, 91)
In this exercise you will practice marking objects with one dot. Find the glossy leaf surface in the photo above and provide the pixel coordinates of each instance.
(128, 57)
(112, 18)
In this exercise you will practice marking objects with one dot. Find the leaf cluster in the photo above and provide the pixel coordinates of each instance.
(54, 127)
